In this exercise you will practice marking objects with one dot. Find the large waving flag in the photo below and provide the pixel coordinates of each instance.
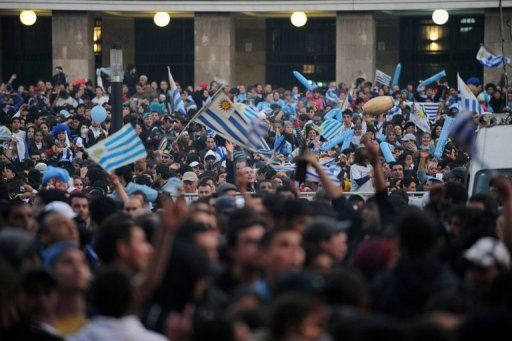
(177, 101)
(382, 77)
(120, 149)
(490, 60)
(221, 116)
(330, 128)
(467, 99)
(420, 118)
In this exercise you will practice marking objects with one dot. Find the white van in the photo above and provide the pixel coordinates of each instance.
(494, 149)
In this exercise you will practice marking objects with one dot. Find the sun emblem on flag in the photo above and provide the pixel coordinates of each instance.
(99, 152)
(224, 105)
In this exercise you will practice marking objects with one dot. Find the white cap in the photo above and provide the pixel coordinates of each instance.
(41, 167)
(61, 207)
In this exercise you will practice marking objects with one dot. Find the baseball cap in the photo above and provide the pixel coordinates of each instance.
(41, 167)
(190, 176)
(323, 228)
(473, 81)
(226, 187)
(60, 207)
(210, 154)
(194, 164)
(487, 252)
(409, 137)
(64, 113)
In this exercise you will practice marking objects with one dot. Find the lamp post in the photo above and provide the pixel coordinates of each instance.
(116, 83)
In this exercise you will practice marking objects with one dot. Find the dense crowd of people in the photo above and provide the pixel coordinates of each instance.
(205, 240)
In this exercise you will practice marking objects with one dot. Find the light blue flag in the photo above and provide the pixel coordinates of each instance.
(430, 109)
(221, 116)
(382, 77)
(490, 60)
(5, 133)
(443, 137)
(396, 76)
(339, 139)
(178, 105)
(467, 99)
(120, 149)
(336, 114)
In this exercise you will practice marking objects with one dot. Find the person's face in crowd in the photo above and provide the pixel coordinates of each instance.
(278, 181)
(267, 186)
(8, 174)
(288, 129)
(221, 179)
(398, 171)
(134, 207)
(139, 89)
(209, 243)
(136, 253)
(81, 207)
(268, 88)
(284, 252)
(44, 128)
(480, 279)
(347, 120)
(197, 169)
(425, 140)
(71, 271)
(429, 92)
(358, 130)
(78, 184)
(408, 160)
(249, 174)
(210, 143)
(245, 251)
(432, 169)
(336, 246)
(16, 124)
(154, 85)
(99, 92)
(22, 216)
(411, 187)
(164, 86)
(148, 121)
(189, 186)
(370, 215)
(49, 86)
(438, 130)
(35, 157)
(126, 111)
(155, 117)
(143, 80)
(61, 136)
(398, 131)
(204, 191)
(391, 136)
(312, 134)
(61, 228)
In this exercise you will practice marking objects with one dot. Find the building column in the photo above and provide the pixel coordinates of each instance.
(250, 49)
(214, 47)
(355, 46)
(492, 40)
(72, 44)
(118, 30)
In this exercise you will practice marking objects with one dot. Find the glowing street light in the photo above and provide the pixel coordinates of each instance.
(440, 16)
(299, 19)
(28, 18)
(161, 19)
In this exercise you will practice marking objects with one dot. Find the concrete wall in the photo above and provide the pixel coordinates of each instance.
(355, 45)
(122, 30)
(388, 44)
(492, 40)
(72, 44)
(250, 47)
(214, 47)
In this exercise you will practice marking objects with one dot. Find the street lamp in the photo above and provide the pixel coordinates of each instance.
(162, 19)
(440, 16)
(299, 19)
(28, 18)
(116, 83)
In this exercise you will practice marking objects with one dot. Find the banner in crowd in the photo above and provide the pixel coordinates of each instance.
(119, 149)
(419, 118)
(382, 78)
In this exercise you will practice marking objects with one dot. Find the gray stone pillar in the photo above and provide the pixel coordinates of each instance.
(214, 47)
(72, 44)
(355, 46)
(118, 30)
(250, 65)
(492, 40)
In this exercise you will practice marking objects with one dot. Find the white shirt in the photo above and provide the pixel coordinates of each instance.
(128, 328)
(100, 100)
(358, 172)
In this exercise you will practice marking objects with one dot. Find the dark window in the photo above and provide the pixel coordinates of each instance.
(26, 50)
(173, 46)
(310, 49)
(427, 48)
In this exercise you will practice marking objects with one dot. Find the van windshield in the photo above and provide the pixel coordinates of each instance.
(482, 178)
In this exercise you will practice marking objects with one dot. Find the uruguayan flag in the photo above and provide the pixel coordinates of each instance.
(177, 101)
(221, 116)
(463, 130)
(285, 167)
(5, 133)
(490, 60)
(332, 97)
(330, 128)
(382, 78)
(394, 111)
(430, 109)
(467, 99)
(419, 118)
(258, 129)
(120, 149)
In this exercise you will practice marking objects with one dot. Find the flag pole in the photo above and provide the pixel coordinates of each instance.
(505, 75)
(197, 114)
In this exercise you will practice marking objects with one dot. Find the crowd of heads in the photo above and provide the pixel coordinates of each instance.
(204, 240)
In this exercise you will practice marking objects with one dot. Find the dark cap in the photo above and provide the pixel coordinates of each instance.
(323, 228)
(225, 204)
(226, 187)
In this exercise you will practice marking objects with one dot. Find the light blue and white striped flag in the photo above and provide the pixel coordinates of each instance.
(490, 60)
(221, 116)
(5, 133)
(382, 78)
(430, 109)
(330, 128)
(178, 105)
(467, 99)
(120, 149)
